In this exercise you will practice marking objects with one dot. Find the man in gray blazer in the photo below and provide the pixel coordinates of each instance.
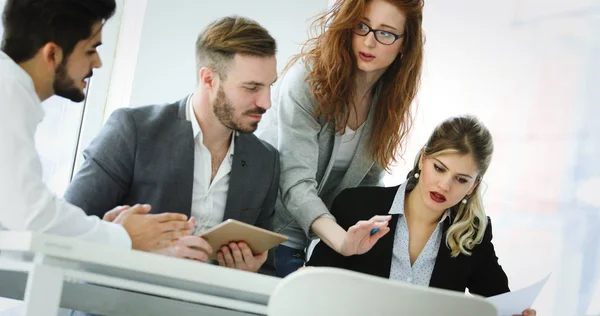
(197, 156)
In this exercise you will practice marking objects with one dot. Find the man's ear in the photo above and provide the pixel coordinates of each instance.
(208, 77)
(52, 55)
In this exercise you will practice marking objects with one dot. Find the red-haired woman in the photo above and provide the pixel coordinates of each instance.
(342, 112)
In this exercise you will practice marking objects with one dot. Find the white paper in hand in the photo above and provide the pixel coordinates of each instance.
(516, 302)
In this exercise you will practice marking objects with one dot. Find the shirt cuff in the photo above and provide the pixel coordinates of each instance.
(117, 236)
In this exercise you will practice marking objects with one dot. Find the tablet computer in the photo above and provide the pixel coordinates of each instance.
(258, 239)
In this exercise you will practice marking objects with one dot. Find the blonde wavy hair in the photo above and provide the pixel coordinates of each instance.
(462, 135)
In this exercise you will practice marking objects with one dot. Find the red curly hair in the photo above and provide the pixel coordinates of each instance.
(333, 82)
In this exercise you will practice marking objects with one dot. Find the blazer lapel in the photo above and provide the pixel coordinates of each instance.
(440, 277)
(183, 144)
(384, 251)
(329, 132)
(240, 173)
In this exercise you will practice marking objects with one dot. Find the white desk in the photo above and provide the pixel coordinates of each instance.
(54, 271)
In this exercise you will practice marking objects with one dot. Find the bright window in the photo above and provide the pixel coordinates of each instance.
(530, 70)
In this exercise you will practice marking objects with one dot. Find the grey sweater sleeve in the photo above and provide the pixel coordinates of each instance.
(297, 143)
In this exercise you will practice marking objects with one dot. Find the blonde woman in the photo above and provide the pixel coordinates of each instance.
(440, 235)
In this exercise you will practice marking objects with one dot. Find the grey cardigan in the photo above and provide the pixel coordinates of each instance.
(307, 153)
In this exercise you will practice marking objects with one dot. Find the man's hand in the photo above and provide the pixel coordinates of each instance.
(151, 232)
(239, 256)
(112, 214)
(188, 247)
(528, 312)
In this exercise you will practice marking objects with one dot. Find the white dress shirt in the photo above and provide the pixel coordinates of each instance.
(208, 199)
(25, 201)
(420, 272)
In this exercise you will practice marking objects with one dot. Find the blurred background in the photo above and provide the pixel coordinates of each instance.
(531, 71)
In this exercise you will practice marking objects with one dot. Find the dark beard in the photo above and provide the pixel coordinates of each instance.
(224, 111)
(65, 86)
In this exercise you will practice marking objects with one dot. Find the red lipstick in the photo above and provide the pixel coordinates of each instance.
(437, 197)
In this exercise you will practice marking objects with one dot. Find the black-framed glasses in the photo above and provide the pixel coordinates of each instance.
(383, 37)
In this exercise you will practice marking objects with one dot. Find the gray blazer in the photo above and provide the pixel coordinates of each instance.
(307, 146)
(146, 155)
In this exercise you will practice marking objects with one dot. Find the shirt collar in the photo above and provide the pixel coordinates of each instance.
(25, 78)
(398, 204)
(197, 131)
(190, 116)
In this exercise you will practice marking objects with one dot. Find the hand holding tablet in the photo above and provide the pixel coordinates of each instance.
(258, 239)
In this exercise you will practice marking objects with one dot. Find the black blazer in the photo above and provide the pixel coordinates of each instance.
(480, 272)
(146, 155)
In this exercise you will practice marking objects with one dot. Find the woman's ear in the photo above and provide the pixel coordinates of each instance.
(475, 186)
(421, 159)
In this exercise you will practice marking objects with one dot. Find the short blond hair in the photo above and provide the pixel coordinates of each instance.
(218, 44)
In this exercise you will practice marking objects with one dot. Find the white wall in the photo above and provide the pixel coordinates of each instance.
(165, 68)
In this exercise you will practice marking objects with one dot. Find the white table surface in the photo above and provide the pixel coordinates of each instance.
(47, 271)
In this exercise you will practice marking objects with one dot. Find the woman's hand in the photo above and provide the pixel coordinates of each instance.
(358, 239)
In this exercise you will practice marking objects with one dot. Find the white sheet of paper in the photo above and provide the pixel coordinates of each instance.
(515, 302)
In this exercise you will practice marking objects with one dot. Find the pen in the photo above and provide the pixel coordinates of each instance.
(375, 230)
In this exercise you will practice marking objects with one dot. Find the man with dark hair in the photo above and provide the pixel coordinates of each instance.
(49, 47)
(31, 25)
(197, 156)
